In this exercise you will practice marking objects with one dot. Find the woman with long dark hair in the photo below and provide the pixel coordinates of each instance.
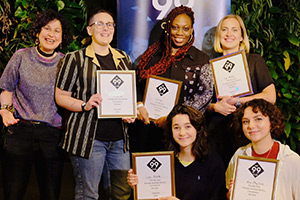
(174, 57)
(199, 172)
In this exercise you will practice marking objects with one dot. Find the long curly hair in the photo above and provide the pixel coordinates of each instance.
(46, 16)
(200, 147)
(267, 109)
(165, 44)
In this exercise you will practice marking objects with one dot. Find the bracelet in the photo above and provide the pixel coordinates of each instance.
(9, 108)
(140, 105)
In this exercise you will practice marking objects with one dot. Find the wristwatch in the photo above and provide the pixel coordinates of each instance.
(82, 106)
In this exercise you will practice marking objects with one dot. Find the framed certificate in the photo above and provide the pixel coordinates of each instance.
(156, 174)
(118, 91)
(231, 75)
(254, 178)
(161, 94)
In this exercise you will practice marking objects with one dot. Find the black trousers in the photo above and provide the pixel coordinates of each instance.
(30, 145)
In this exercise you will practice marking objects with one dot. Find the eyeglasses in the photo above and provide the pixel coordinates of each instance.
(100, 25)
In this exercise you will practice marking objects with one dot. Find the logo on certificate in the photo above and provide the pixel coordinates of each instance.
(228, 66)
(162, 89)
(256, 170)
(154, 164)
(117, 81)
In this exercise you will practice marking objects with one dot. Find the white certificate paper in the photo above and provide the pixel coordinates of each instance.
(231, 75)
(161, 94)
(156, 175)
(118, 91)
(254, 179)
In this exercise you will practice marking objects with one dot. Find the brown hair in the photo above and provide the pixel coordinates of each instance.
(267, 109)
(200, 147)
(46, 16)
(165, 43)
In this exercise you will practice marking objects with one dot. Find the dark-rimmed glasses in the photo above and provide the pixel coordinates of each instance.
(100, 25)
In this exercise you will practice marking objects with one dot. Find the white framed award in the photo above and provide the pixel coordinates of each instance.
(254, 178)
(156, 174)
(161, 95)
(231, 75)
(118, 91)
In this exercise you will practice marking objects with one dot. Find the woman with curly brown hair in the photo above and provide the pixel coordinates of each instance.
(174, 57)
(199, 172)
(261, 121)
(29, 111)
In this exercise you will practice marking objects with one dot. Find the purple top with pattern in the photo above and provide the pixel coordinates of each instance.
(32, 81)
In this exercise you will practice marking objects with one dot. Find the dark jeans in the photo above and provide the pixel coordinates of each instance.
(27, 145)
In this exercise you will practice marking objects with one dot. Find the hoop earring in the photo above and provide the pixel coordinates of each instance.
(162, 25)
(37, 42)
(191, 37)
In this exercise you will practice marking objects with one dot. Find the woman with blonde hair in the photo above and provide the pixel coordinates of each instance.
(231, 36)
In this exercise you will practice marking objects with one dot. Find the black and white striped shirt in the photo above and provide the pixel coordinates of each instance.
(78, 74)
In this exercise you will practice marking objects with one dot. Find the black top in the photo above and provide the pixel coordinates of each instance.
(108, 129)
(201, 179)
(221, 135)
(194, 72)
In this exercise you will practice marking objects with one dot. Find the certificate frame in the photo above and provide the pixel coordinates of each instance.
(142, 167)
(229, 78)
(118, 91)
(159, 102)
(256, 185)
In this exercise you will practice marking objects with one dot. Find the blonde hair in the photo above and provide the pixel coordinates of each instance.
(243, 45)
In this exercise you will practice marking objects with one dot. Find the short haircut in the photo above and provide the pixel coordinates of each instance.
(96, 11)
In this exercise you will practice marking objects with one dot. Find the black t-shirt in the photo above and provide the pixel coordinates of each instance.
(108, 129)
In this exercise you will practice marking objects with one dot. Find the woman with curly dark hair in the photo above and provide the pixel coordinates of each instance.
(199, 172)
(261, 121)
(29, 111)
(174, 57)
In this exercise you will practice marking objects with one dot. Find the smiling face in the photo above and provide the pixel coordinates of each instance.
(230, 35)
(256, 126)
(101, 35)
(184, 133)
(181, 30)
(50, 36)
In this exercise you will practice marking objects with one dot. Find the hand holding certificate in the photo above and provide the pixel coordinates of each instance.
(231, 75)
(254, 178)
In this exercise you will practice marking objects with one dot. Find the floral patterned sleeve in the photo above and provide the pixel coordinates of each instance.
(198, 86)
